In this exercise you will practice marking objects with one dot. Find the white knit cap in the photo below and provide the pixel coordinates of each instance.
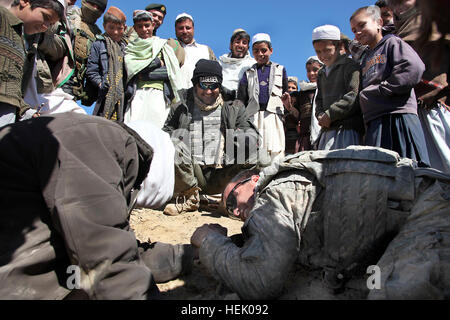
(184, 15)
(326, 32)
(261, 37)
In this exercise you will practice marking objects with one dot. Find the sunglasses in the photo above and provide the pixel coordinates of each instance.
(212, 86)
(231, 202)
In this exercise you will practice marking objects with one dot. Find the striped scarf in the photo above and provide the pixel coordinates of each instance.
(113, 107)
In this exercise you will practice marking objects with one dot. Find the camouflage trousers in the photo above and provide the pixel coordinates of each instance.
(210, 179)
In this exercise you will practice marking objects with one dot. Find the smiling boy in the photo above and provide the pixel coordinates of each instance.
(337, 108)
(261, 89)
(24, 17)
(105, 66)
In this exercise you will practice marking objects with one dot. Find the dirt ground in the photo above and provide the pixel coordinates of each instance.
(153, 226)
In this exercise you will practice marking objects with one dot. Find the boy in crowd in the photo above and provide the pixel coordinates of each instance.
(390, 70)
(291, 117)
(105, 66)
(153, 72)
(337, 108)
(313, 65)
(23, 17)
(261, 89)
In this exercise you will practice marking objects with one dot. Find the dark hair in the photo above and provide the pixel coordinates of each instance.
(336, 43)
(381, 4)
(241, 176)
(110, 18)
(182, 19)
(46, 4)
(240, 35)
(371, 11)
(140, 19)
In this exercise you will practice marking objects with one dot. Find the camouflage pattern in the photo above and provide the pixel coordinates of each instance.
(330, 210)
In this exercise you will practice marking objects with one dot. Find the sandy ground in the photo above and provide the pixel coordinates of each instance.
(153, 226)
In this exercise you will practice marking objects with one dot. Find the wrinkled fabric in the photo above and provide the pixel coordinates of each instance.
(64, 198)
(157, 188)
(323, 209)
(234, 68)
(140, 52)
(416, 265)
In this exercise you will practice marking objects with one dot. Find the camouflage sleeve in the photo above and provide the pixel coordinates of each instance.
(259, 269)
(53, 45)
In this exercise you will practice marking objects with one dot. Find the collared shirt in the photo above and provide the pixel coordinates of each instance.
(194, 52)
(12, 58)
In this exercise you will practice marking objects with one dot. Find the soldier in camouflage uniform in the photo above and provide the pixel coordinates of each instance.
(85, 32)
(335, 212)
(206, 129)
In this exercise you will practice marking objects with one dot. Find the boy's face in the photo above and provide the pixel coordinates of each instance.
(239, 48)
(37, 20)
(367, 31)
(387, 15)
(291, 87)
(262, 52)
(144, 28)
(312, 70)
(114, 30)
(326, 51)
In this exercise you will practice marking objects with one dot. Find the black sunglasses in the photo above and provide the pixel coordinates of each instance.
(212, 86)
(231, 202)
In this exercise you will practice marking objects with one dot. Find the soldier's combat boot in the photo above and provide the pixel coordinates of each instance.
(187, 202)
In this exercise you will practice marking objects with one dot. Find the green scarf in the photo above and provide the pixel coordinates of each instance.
(141, 52)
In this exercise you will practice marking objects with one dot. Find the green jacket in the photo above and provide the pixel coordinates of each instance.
(337, 95)
(12, 59)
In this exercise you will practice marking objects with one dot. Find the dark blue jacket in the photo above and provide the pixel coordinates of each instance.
(97, 70)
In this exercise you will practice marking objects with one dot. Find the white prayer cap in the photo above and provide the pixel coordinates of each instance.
(261, 37)
(238, 30)
(314, 59)
(326, 32)
(184, 15)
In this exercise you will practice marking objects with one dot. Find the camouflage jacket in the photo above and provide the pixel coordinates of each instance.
(322, 209)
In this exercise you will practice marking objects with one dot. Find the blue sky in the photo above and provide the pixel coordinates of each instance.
(289, 23)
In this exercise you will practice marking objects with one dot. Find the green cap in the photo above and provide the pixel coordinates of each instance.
(157, 6)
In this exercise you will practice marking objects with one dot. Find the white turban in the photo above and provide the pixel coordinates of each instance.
(326, 32)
